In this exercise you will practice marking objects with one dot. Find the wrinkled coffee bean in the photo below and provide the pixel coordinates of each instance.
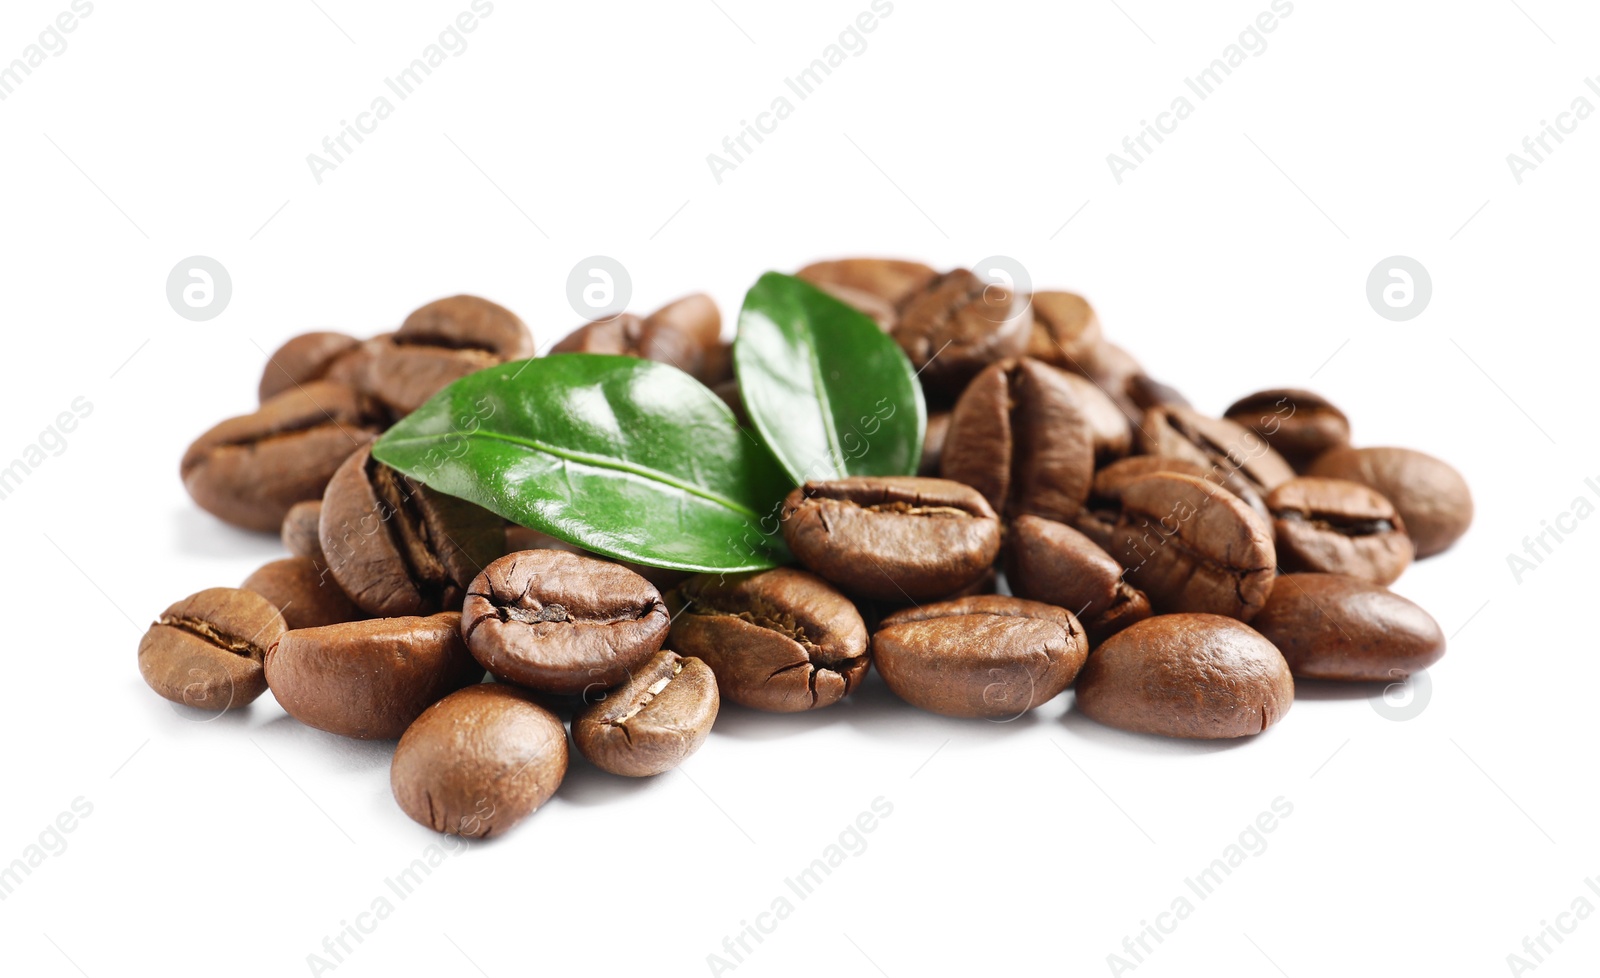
(1192, 547)
(397, 547)
(1020, 435)
(1431, 497)
(779, 640)
(1299, 425)
(933, 444)
(479, 761)
(1338, 527)
(206, 651)
(249, 470)
(467, 322)
(1066, 332)
(369, 679)
(683, 333)
(1098, 517)
(520, 538)
(1240, 460)
(1190, 675)
(654, 721)
(892, 539)
(891, 280)
(302, 592)
(1051, 562)
(561, 622)
(299, 531)
(301, 360)
(879, 309)
(1329, 626)
(957, 324)
(986, 656)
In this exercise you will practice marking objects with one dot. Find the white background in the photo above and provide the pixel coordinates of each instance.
(1235, 258)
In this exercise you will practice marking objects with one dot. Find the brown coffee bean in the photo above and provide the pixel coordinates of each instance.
(562, 623)
(1051, 562)
(300, 360)
(403, 376)
(779, 640)
(1190, 675)
(1192, 547)
(1329, 626)
(1109, 428)
(479, 761)
(299, 531)
(1066, 332)
(1147, 392)
(654, 721)
(520, 538)
(1338, 527)
(892, 539)
(696, 317)
(1098, 517)
(879, 309)
(986, 656)
(249, 470)
(397, 547)
(1113, 371)
(683, 333)
(958, 324)
(369, 679)
(467, 322)
(1431, 497)
(933, 444)
(887, 278)
(304, 593)
(1239, 459)
(1021, 436)
(206, 650)
(1298, 424)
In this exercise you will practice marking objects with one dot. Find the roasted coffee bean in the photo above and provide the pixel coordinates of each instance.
(1098, 517)
(683, 333)
(1192, 547)
(881, 310)
(697, 317)
(467, 322)
(397, 547)
(1298, 424)
(560, 622)
(1109, 428)
(1066, 332)
(304, 593)
(1051, 562)
(892, 539)
(1191, 675)
(654, 721)
(520, 538)
(299, 531)
(933, 444)
(369, 679)
(779, 640)
(479, 761)
(887, 278)
(1113, 371)
(206, 650)
(1329, 626)
(1239, 459)
(957, 324)
(1431, 497)
(1338, 527)
(301, 360)
(986, 656)
(1022, 437)
(249, 470)
(1147, 392)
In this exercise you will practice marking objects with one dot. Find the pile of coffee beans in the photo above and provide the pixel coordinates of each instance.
(1075, 523)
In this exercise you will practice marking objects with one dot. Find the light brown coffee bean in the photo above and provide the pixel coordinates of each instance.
(1329, 626)
(1298, 424)
(1337, 527)
(1066, 332)
(301, 360)
(958, 324)
(1241, 461)
(206, 651)
(1431, 497)
(304, 593)
(887, 278)
(1051, 562)
(654, 721)
(299, 531)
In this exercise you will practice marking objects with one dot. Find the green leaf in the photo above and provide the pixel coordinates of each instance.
(625, 457)
(830, 392)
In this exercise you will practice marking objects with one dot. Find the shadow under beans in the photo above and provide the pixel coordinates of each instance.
(199, 534)
(1331, 689)
(586, 786)
(352, 755)
(1081, 725)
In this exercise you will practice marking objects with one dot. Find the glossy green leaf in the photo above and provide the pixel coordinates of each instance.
(625, 457)
(830, 392)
